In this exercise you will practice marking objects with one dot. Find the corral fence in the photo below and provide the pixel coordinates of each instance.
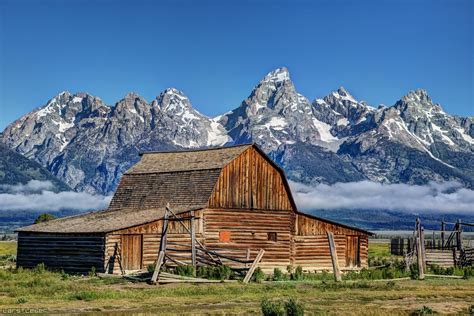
(444, 247)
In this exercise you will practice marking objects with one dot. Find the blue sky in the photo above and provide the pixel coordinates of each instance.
(216, 51)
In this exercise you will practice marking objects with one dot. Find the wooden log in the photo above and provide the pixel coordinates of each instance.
(423, 250)
(444, 276)
(158, 265)
(247, 257)
(193, 243)
(443, 227)
(458, 235)
(335, 264)
(419, 255)
(254, 265)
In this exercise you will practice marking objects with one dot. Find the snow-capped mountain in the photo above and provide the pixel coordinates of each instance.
(336, 138)
(89, 145)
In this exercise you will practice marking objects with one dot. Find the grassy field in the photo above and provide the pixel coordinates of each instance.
(7, 248)
(49, 292)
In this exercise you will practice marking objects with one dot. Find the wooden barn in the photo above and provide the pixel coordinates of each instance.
(234, 200)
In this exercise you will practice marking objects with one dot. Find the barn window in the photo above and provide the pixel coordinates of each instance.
(224, 236)
(272, 236)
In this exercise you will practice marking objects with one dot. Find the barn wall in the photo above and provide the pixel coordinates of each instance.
(249, 230)
(250, 182)
(73, 253)
(309, 226)
(151, 234)
(312, 245)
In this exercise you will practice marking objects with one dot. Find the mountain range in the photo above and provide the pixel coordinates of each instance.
(15, 169)
(88, 144)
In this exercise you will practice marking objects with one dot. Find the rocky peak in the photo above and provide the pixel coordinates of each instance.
(419, 96)
(342, 96)
(278, 75)
(418, 101)
(131, 104)
(173, 101)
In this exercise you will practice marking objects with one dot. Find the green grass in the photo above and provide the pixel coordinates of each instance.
(7, 248)
(62, 293)
(379, 249)
(58, 292)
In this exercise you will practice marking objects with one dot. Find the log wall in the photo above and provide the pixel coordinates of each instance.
(73, 253)
(250, 182)
(313, 254)
(311, 245)
(249, 230)
(310, 226)
(151, 233)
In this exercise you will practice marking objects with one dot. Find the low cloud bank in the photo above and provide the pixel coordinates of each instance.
(37, 196)
(446, 197)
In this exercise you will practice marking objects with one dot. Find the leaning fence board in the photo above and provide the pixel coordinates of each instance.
(254, 266)
(335, 264)
(159, 262)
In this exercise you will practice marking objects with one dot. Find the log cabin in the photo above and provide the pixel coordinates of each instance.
(237, 201)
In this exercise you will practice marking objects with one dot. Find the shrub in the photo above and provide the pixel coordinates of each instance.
(467, 273)
(277, 275)
(425, 310)
(414, 273)
(86, 296)
(221, 272)
(64, 275)
(293, 308)
(92, 272)
(22, 300)
(187, 270)
(258, 275)
(151, 268)
(270, 308)
(40, 268)
(44, 217)
(298, 274)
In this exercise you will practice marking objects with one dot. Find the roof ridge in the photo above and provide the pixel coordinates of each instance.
(195, 149)
(170, 171)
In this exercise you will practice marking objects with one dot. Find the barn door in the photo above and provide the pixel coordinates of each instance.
(352, 251)
(132, 252)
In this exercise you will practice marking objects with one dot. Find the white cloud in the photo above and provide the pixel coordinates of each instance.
(36, 196)
(446, 197)
(31, 187)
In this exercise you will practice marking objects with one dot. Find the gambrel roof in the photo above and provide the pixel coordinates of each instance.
(186, 160)
(180, 178)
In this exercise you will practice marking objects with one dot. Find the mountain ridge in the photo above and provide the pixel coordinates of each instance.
(337, 138)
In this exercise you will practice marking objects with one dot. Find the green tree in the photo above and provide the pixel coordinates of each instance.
(44, 217)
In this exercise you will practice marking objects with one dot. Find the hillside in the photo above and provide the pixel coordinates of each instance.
(15, 169)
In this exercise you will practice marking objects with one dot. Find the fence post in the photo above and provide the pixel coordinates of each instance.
(423, 250)
(335, 264)
(442, 233)
(458, 235)
(193, 242)
(419, 257)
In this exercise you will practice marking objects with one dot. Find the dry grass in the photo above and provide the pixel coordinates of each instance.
(60, 293)
(7, 248)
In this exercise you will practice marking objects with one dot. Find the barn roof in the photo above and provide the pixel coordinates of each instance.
(180, 178)
(187, 160)
(179, 189)
(100, 222)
